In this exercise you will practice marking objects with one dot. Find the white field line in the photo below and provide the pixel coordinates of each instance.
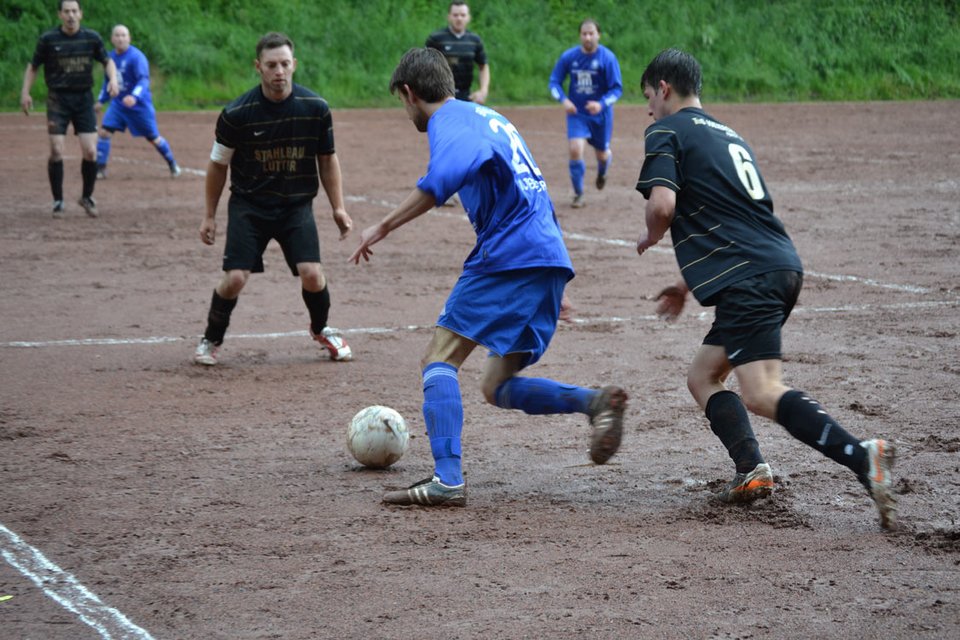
(704, 316)
(66, 590)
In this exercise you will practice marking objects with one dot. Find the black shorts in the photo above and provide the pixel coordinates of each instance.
(749, 314)
(250, 228)
(64, 107)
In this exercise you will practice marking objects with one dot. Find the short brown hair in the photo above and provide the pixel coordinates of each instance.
(427, 72)
(274, 40)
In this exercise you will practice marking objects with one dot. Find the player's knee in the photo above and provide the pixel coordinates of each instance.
(761, 402)
(232, 283)
(312, 277)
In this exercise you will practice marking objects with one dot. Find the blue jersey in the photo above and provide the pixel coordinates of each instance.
(133, 76)
(593, 76)
(476, 152)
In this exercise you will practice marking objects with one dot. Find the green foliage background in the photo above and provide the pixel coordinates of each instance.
(201, 51)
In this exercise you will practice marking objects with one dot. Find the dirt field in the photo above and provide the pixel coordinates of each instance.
(173, 501)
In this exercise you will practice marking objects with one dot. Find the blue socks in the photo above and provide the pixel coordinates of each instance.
(164, 149)
(443, 414)
(103, 151)
(603, 165)
(539, 396)
(577, 169)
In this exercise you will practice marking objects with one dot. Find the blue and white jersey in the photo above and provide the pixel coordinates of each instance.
(476, 152)
(593, 76)
(133, 76)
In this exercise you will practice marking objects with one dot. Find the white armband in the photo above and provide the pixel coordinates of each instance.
(221, 154)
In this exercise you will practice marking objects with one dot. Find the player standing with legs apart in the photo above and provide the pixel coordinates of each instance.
(510, 295)
(274, 139)
(595, 85)
(133, 107)
(701, 182)
(67, 54)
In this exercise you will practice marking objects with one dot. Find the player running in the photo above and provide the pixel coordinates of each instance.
(510, 295)
(701, 181)
(133, 107)
(594, 86)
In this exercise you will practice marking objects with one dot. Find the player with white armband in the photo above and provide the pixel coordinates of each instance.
(276, 143)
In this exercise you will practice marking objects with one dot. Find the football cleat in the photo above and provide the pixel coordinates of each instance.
(429, 492)
(606, 417)
(206, 353)
(747, 487)
(89, 205)
(333, 340)
(877, 478)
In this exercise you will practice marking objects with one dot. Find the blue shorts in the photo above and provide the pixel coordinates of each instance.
(598, 129)
(141, 120)
(750, 313)
(507, 312)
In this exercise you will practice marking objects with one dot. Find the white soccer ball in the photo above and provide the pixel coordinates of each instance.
(377, 437)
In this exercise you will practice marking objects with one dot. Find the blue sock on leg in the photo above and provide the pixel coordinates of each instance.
(539, 396)
(443, 414)
(164, 149)
(103, 151)
(603, 165)
(577, 169)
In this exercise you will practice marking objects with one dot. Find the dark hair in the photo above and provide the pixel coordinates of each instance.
(274, 40)
(589, 21)
(427, 72)
(678, 69)
(456, 3)
(60, 5)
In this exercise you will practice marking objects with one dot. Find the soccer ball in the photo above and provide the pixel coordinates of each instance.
(377, 437)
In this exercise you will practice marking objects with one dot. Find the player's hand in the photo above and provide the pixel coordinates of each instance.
(566, 309)
(113, 88)
(344, 223)
(569, 107)
(644, 242)
(593, 107)
(480, 97)
(129, 101)
(26, 104)
(670, 302)
(208, 231)
(370, 236)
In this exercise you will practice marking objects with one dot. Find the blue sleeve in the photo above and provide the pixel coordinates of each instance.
(142, 76)
(560, 71)
(614, 81)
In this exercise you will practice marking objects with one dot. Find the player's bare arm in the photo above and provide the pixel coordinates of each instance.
(415, 204)
(113, 87)
(213, 186)
(659, 215)
(329, 167)
(26, 100)
(480, 95)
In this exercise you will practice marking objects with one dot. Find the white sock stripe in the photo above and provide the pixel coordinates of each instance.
(433, 373)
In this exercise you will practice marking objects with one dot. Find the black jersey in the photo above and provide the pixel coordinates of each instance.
(68, 60)
(461, 53)
(276, 145)
(724, 229)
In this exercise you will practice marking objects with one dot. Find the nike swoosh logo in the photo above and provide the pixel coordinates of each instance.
(258, 133)
(734, 354)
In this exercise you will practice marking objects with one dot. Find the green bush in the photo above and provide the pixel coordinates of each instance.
(201, 51)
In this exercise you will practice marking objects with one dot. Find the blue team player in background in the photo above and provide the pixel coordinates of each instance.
(511, 292)
(595, 85)
(133, 107)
